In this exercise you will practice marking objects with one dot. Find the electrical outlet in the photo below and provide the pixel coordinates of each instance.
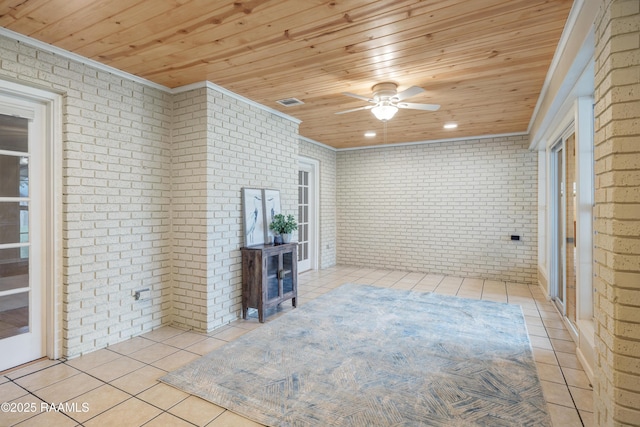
(138, 294)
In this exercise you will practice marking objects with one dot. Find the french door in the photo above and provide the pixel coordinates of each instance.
(22, 218)
(307, 215)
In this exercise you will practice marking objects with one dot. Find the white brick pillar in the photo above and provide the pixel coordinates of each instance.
(190, 213)
(617, 214)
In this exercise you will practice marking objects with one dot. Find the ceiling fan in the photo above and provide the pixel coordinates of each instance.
(387, 100)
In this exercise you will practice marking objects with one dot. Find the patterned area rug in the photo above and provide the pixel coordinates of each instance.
(368, 356)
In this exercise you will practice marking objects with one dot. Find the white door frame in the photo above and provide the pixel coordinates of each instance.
(52, 260)
(585, 201)
(314, 229)
(557, 225)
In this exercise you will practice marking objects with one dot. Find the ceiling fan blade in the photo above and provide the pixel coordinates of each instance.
(367, 107)
(355, 95)
(414, 106)
(408, 93)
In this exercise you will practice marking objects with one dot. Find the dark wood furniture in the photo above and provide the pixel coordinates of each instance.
(269, 277)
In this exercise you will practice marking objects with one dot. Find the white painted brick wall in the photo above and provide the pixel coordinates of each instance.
(327, 226)
(251, 148)
(189, 158)
(446, 208)
(116, 196)
(221, 144)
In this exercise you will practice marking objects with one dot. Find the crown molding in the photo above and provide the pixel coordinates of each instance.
(213, 86)
(128, 76)
(313, 141)
(434, 141)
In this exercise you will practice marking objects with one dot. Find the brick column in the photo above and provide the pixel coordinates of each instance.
(190, 159)
(617, 214)
(220, 145)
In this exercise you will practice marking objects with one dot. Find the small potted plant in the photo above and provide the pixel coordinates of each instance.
(282, 227)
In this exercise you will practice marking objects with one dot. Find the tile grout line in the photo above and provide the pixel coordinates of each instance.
(575, 406)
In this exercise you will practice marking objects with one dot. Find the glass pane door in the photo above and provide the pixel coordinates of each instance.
(303, 217)
(308, 214)
(570, 227)
(564, 286)
(14, 226)
(22, 205)
(558, 285)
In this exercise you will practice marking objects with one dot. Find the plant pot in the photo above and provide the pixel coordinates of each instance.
(286, 238)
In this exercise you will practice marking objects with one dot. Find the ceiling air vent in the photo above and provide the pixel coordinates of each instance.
(290, 102)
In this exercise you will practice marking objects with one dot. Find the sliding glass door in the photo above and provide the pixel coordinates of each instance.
(563, 286)
(558, 253)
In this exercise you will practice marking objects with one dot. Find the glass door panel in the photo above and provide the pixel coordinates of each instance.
(558, 289)
(14, 316)
(14, 269)
(564, 288)
(303, 216)
(570, 227)
(272, 276)
(14, 134)
(14, 226)
(287, 273)
(15, 173)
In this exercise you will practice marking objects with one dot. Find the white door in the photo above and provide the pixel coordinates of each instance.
(558, 281)
(22, 204)
(307, 215)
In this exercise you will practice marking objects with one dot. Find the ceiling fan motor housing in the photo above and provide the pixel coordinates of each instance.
(384, 91)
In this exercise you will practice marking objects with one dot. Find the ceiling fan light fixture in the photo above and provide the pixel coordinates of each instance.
(384, 111)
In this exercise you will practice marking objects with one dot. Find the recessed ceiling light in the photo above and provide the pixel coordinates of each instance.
(450, 125)
(370, 134)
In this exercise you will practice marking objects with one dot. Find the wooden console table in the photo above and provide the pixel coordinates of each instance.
(269, 277)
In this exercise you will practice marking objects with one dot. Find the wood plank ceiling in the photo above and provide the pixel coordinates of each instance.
(483, 61)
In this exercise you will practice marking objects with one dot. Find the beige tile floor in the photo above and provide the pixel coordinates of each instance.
(118, 386)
